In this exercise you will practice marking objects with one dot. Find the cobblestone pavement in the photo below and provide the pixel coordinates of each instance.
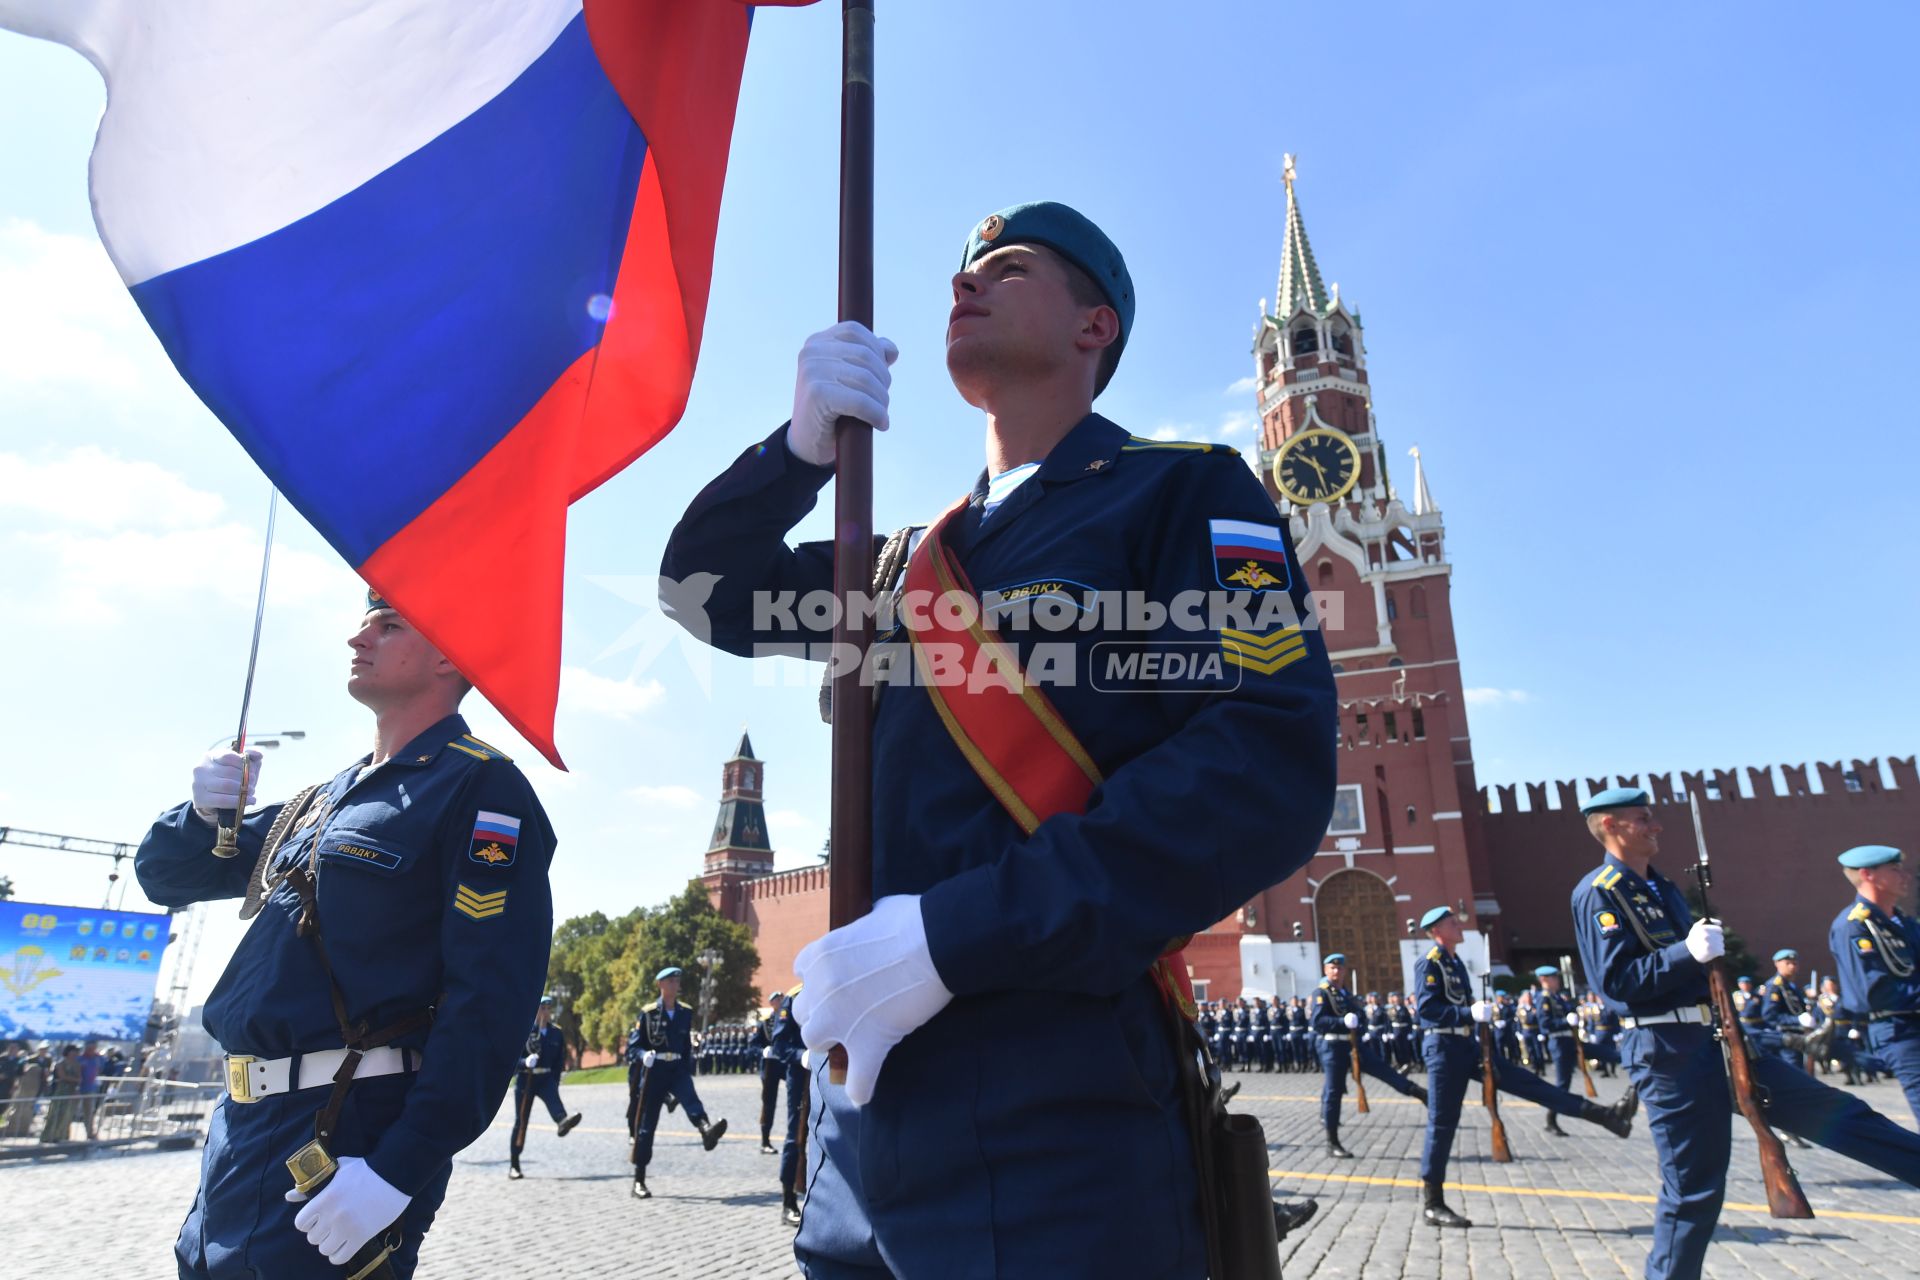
(1574, 1206)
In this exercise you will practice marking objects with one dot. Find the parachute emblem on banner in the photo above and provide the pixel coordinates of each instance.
(27, 971)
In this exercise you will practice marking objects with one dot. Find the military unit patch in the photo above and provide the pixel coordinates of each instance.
(495, 838)
(471, 902)
(1865, 944)
(1608, 922)
(1248, 556)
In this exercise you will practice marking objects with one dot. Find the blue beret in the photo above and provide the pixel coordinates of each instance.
(1338, 957)
(671, 971)
(375, 601)
(1870, 855)
(546, 1000)
(1746, 977)
(1786, 953)
(1435, 916)
(1616, 798)
(1072, 235)
(1546, 971)
(1373, 995)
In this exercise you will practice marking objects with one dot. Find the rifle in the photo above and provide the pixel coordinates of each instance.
(1579, 1050)
(1489, 1084)
(1812, 1060)
(1359, 1081)
(1785, 1199)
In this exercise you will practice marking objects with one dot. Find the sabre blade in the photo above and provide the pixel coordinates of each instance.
(259, 616)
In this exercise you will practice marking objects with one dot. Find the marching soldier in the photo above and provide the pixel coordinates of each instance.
(1400, 1032)
(773, 1068)
(1783, 1008)
(666, 1071)
(787, 1049)
(376, 1006)
(1875, 944)
(1644, 951)
(1558, 1024)
(1443, 997)
(1336, 1016)
(539, 1077)
(1300, 1035)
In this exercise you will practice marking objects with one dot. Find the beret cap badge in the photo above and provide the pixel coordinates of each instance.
(991, 228)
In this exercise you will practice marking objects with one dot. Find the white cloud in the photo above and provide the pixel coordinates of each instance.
(1486, 697)
(1234, 424)
(99, 490)
(1167, 431)
(93, 578)
(670, 796)
(1240, 386)
(70, 334)
(583, 691)
(796, 836)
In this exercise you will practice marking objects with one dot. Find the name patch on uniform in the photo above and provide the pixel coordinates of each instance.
(1248, 556)
(470, 902)
(495, 839)
(361, 853)
(1608, 922)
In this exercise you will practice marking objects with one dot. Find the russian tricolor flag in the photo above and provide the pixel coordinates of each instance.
(441, 266)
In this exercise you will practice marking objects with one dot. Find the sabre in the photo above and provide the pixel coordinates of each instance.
(227, 838)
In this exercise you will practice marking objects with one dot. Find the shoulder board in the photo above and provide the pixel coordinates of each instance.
(467, 744)
(1608, 877)
(1141, 444)
(1326, 984)
(1859, 912)
(795, 990)
(682, 1004)
(1434, 954)
(650, 1006)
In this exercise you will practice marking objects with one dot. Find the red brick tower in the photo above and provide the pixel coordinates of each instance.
(739, 850)
(1405, 834)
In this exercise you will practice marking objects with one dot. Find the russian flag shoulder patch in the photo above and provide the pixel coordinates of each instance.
(1248, 555)
(496, 838)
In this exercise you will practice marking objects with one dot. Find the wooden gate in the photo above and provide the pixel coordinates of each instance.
(1353, 913)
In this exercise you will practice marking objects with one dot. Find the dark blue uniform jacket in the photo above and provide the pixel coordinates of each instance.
(1612, 909)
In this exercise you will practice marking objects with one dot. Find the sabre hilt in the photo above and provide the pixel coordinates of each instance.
(226, 840)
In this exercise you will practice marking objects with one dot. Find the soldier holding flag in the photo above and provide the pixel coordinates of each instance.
(1035, 860)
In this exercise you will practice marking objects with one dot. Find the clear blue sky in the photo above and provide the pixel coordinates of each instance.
(1639, 282)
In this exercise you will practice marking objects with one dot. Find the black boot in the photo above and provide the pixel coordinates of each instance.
(640, 1191)
(513, 1169)
(567, 1124)
(1419, 1094)
(1226, 1094)
(766, 1146)
(711, 1131)
(789, 1207)
(1334, 1148)
(1288, 1215)
(1616, 1119)
(1434, 1211)
(1553, 1125)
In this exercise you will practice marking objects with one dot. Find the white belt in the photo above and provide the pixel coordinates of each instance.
(1448, 1031)
(666, 1057)
(1692, 1013)
(250, 1079)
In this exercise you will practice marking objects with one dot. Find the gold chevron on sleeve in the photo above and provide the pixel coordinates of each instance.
(479, 906)
(1264, 654)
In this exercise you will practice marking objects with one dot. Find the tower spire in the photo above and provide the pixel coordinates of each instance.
(1422, 496)
(1299, 275)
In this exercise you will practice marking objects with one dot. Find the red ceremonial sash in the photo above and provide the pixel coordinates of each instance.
(1005, 727)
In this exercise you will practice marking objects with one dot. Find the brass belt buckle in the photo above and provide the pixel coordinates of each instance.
(310, 1166)
(239, 1079)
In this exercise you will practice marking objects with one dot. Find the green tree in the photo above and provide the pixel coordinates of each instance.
(580, 974)
(675, 934)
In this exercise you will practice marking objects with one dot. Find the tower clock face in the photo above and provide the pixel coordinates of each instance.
(1320, 465)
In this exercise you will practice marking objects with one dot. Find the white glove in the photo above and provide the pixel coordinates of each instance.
(1352, 1020)
(1808, 1021)
(1706, 940)
(767, 1052)
(646, 1058)
(1482, 1011)
(1500, 1024)
(1853, 1035)
(868, 985)
(1573, 1020)
(216, 781)
(356, 1205)
(843, 374)
(533, 1060)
